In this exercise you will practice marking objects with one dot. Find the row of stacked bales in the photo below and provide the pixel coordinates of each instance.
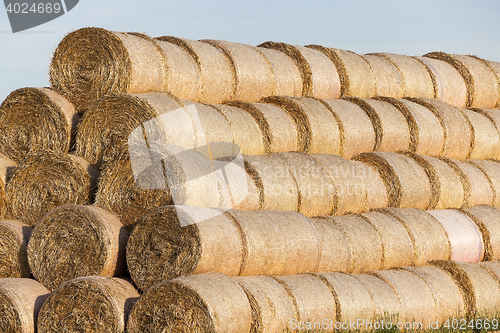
(71, 227)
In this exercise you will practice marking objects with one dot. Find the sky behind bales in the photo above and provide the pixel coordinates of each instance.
(363, 26)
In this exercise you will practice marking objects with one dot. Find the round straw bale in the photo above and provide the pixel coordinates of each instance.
(493, 268)
(487, 220)
(356, 76)
(320, 77)
(36, 119)
(491, 170)
(417, 299)
(406, 182)
(388, 79)
(182, 75)
(494, 116)
(465, 238)
(74, 240)
(277, 126)
(96, 303)
(416, 79)
(481, 83)
(456, 127)
(45, 180)
(426, 131)
(353, 300)
(446, 185)
(386, 303)
(477, 188)
(245, 129)
(335, 251)
(272, 307)
(429, 238)
(277, 186)
(485, 141)
(397, 248)
(316, 192)
(217, 76)
(357, 134)
(448, 83)
(20, 303)
(123, 63)
(287, 76)
(180, 240)
(364, 242)
(14, 237)
(391, 128)
(320, 130)
(277, 242)
(480, 290)
(495, 68)
(350, 192)
(312, 297)
(6, 167)
(376, 193)
(211, 302)
(447, 295)
(253, 73)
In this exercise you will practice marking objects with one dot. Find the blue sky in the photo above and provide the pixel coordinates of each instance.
(363, 26)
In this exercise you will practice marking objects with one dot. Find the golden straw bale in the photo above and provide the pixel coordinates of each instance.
(487, 220)
(494, 116)
(491, 170)
(495, 68)
(287, 76)
(388, 78)
(376, 193)
(14, 237)
(485, 141)
(335, 250)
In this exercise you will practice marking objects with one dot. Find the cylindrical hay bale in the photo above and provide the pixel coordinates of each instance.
(494, 116)
(124, 63)
(182, 74)
(487, 220)
(447, 295)
(386, 303)
(72, 241)
(364, 242)
(477, 188)
(14, 237)
(335, 250)
(320, 77)
(101, 304)
(352, 298)
(406, 182)
(218, 82)
(211, 302)
(376, 193)
(20, 303)
(356, 130)
(253, 73)
(36, 119)
(44, 181)
(391, 128)
(465, 238)
(180, 240)
(448, 83)
(277, 186)
(245, 130)
(287, 76)
(356, 77)
(491, 170)
(456, 127)
(6, 167)
(350, 191)
(495, 68)
(277, 243)
(493, 268)
(481, 83)
(388, 79)
(313, 299)
(397, 247)
(446, 185)
(485, 141)
(480, 289)
(316, 192)
(429, 238)
(417, 299)
(272, 307)
(417, 81)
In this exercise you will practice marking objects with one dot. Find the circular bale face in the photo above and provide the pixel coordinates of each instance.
(14, 237)
(11, 320)
(72, 241)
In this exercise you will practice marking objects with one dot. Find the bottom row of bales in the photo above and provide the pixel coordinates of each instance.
(440, 294)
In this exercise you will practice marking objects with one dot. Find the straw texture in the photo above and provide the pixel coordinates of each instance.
(491, 170)
(287, 76)
(14, 237)
(487, 220)
(388, 78)
(485, 142)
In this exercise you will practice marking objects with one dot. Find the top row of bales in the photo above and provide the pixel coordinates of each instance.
(92, 62)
